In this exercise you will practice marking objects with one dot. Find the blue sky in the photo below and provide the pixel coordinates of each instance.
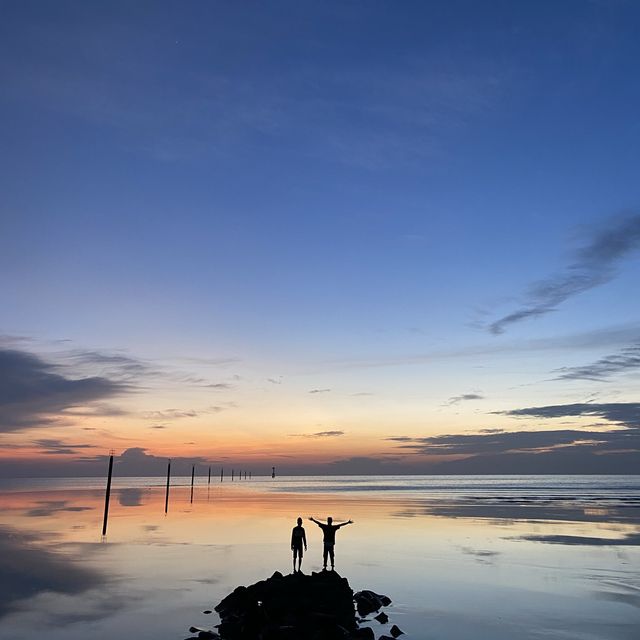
(342, 196)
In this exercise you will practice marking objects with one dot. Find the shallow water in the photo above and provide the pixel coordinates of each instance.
(461, 557)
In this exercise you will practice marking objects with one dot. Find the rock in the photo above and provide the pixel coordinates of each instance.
(395, 632)
(385, 638)
(370, 601)
(365, 633)
(382, 618)
(295, 607)
(208, 611)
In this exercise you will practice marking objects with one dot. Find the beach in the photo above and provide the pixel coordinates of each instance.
(461, 557)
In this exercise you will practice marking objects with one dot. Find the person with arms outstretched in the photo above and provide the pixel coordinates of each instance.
(329, 530)
(298, 538)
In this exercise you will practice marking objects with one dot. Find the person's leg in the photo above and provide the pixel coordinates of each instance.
(300, 559)
(324, 556)
(332, 556)
(295, 551)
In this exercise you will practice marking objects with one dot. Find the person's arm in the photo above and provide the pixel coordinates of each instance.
(344, 524)
(314, 520)
(304, 539)
(292, 539)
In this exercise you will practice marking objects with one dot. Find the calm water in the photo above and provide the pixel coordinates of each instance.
(461, 557)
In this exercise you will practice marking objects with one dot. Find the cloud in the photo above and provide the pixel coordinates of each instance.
(319, 434)
(170, 414)
(541, 451)
(319, 390)
(594, 265)
(626, 360)
(464, 397)
(58, 447)
(34, 392)
(623, 413)
(275, 380)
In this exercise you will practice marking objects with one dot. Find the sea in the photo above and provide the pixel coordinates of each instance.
(461, 557)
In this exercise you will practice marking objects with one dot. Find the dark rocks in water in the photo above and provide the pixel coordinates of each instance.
(319, 606)
(364, 633)
(370, 601)
(294, 607)
(208, 611)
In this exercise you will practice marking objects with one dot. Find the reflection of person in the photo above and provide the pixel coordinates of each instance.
(298, 538)
(329, 540)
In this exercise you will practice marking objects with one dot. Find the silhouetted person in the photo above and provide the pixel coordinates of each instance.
(329, 540)
(298, 538)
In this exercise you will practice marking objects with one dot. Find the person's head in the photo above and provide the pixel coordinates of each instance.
(329, 520)
(299, 522)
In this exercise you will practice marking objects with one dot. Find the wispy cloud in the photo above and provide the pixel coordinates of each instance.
(626, 414)
(319, 434)
(626, 360)
(170, 414)
(35, 392)
(594, 265)
(319, 390)
(463, 398)
(52, 446)
(614, 449)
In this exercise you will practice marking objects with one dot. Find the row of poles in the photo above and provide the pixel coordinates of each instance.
(240, 475)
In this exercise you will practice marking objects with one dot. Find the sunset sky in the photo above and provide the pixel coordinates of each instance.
(333, 237)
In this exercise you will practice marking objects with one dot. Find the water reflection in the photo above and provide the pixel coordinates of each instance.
(460, 568)
(130, 497)
(27, 569)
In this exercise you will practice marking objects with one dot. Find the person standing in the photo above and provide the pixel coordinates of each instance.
(329, 530)
(298, 539)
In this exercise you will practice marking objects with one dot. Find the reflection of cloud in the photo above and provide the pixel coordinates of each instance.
(47, 508)
(130, 497)
(631, 539)
(593, 266)
(33, 391)
(27, 570)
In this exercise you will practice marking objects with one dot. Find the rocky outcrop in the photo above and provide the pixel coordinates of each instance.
(319, 606)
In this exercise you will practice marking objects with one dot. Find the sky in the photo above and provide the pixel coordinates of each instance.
(337, 237)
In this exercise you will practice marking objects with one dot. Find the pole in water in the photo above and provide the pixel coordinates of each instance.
(273, 472)
(221, 474)
(193, 473)
(166, 497)
(209, 482)
(231, 474)
(107, 494)
(249, 475)
(245, 475)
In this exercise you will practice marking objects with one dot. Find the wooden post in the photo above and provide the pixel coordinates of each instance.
(107, 495)
(232, 475)
(249, 475)
(166, 497)
(209, 482)
(273, 472)
(193, 473)
(221, 473)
